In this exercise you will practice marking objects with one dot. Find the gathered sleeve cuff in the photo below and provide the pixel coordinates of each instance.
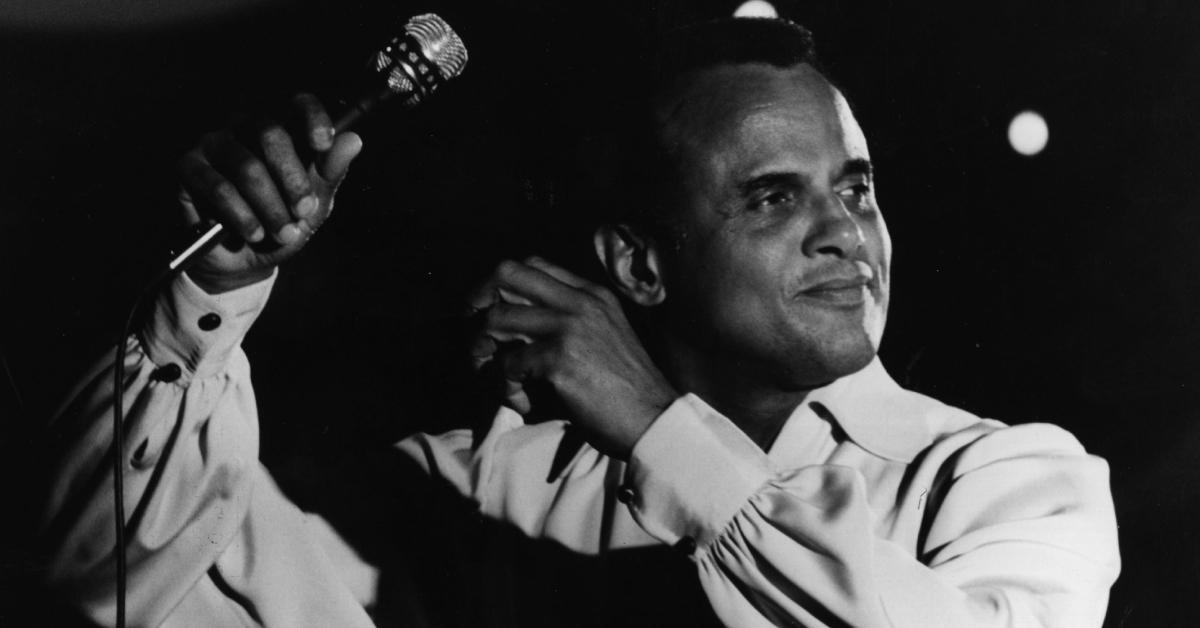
(199, 331)
(692, 471)
(1018, 529)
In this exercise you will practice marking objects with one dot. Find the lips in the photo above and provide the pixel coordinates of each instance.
(841, 288)
(837, 285)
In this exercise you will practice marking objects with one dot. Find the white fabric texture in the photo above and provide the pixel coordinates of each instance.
(876, 506)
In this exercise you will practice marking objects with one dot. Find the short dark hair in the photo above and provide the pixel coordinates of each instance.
(772, 41)
(644, 163)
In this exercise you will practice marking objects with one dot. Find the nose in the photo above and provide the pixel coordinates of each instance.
(834, 230)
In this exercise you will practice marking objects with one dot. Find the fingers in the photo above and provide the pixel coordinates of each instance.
(491, 293)
(507, 322)
(526, 364)
(524, 310)
(254, 182)
(535, 281)
(537, 285)
(221, 198)
(509, 325)
(334, 164)
(558, 272)
(281, 159)
(278, 192)
(191, 217)
(516, 398)
(334, 151)
(512, 391)
(317, 124)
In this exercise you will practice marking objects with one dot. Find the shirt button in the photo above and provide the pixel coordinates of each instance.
(209, 321)
(686, 546)
(625, 494)
(166, 373)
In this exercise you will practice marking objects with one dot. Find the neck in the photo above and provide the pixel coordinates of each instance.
(740, 394)
(761, 417)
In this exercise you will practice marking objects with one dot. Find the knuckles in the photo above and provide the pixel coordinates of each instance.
(273, 139)
(597, 292)
(297, 183)
(223, 192)
(494, 316)
(507, 270)
(253, 172)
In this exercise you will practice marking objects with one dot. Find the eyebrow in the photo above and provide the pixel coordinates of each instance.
(857, 166)
(771, 180)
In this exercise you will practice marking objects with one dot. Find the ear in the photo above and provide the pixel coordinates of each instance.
(632, 262)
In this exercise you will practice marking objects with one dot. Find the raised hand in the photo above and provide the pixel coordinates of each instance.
(264, 194)
(542, 322)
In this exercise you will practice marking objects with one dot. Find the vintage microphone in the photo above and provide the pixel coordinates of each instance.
(411, 66)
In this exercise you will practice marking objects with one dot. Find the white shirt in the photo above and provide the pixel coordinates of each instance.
(875, 506)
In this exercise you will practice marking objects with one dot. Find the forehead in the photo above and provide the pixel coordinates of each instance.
(747, 111)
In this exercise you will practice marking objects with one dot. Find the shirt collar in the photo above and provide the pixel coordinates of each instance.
(876, 413)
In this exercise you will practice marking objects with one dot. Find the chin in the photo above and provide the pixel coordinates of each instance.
(837, 356)
(849, 362)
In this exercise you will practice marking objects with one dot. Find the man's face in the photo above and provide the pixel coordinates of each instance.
(782, 266)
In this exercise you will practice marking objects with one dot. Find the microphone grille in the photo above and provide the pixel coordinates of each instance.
(427, 54)
(440, 44)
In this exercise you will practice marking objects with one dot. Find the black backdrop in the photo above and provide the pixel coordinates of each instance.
(1060, 288)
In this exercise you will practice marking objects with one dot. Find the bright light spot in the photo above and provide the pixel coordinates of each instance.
(1028, 133)
(755, 8)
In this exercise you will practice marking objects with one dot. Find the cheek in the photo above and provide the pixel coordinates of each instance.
(748, 280)
(727, 278)
(881, 246)
(882, 250)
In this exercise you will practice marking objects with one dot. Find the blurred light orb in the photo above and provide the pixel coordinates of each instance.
(1028, 133)
(755, 8)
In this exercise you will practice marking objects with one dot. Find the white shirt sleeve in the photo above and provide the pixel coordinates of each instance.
(1020, 531)
(191, 443)
(211, 540)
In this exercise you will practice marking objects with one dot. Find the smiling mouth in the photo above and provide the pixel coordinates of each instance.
(845, 293)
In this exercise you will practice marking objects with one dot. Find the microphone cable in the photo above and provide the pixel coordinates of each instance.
(118, 430)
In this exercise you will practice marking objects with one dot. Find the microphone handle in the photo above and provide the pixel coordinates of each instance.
(204, 235)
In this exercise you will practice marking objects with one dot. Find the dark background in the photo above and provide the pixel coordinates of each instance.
(1061, 287)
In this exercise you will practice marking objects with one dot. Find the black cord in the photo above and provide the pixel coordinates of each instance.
(119, 438)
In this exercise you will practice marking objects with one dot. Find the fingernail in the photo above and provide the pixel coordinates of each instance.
(287, 234)
(306, 207)
(322, 138)
(258, 234)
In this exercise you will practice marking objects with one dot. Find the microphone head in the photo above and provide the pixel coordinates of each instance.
(415, 63)
(440, 44)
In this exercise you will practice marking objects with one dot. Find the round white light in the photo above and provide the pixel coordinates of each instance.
(755, 8)
(1028, 133)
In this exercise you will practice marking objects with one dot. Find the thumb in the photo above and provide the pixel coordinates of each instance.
(336, 161)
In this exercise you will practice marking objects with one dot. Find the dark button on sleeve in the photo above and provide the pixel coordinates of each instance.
(625, 494)
(686, 546)
(166, 373)
(209, 321)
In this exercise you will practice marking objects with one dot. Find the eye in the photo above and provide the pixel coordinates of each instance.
(858, 189)
(772, 199)
(857, 193)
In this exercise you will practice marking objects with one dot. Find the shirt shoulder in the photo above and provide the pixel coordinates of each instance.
(900, 424)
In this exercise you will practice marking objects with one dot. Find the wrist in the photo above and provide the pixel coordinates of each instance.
(653, 406)
(218, 283)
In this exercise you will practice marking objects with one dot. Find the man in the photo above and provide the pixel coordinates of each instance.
(759, 436)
